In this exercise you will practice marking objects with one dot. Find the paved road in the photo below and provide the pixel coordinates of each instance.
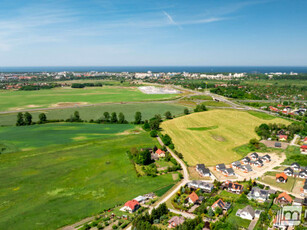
(182, 164)
(253, 224)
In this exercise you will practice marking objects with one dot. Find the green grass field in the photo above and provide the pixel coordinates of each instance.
(216, 104)
(148, 110)
(17, 100)
(35, 136)
(54, 186)
(213, 146)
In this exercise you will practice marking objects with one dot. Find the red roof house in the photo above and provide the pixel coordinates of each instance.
(160, 153)
(132, 205)
(193, 198)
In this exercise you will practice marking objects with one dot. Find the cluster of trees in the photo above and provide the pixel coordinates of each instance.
(153, 125)
(146, 221)
(272, 130)
(167, 140)
(83, 85)
(111, 118)
(200, 108)
(235, 92)
(141, 157)
(38, 87)
(24, 119)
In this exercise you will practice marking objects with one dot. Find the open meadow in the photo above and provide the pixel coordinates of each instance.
(95, 112)
(59, 185)
(12, 100)
(22, 138)
(210, 137)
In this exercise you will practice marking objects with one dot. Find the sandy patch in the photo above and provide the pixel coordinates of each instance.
(218, 138)
(80, 138)
(175, 176)
(32, 106)
(68, 104)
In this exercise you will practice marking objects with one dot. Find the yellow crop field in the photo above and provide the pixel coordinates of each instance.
(210, 137)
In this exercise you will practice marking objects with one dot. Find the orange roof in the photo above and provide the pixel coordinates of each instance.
(304, 147)
(159, 151)
(131, 204)
(282, 175)
(283, 136)
(286, 196)
(193, 196)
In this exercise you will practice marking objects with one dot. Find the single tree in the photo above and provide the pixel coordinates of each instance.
(106, 116)
(168, 115)
(42, 118)
(76, 116)
(28, 118)
(121, 118)
(114, 118)
(154, 124)
(138, 118)
(186, 111)
(20, 120)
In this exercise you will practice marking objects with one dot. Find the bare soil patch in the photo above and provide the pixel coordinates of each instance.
(68, 104)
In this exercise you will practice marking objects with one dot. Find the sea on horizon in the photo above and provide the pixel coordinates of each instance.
(190, 69)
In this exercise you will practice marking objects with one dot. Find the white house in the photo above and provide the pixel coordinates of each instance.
(246, 213)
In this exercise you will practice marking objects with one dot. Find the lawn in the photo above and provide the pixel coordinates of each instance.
(263, 116)
(11, 100)
(213, 146)
(238, 221)
(66, 183)
(148, 110)
(293, 154)
(35, 136)
(269, 178)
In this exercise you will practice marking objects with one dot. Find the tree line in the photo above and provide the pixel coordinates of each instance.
(83, 85)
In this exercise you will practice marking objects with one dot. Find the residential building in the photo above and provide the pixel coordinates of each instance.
(228, 172)
(258, 194)
(175, 221)
(160, 153)
(221, 204)
(220, 167)
(233, 187)
(266, 158)
(304, 149)
(236, 164)
(295, 166)
(303, 174)
(284, 199)
(281, 177)
(289, 171)
(246, 168)
(258, 163)
(247, 213)
(245, 160)
(282, 137)
(131, 206)
(254, 156)
(202, 170)
(204, 186)
(193, 198)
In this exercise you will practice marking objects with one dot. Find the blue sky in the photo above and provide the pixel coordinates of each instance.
(153, 32)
